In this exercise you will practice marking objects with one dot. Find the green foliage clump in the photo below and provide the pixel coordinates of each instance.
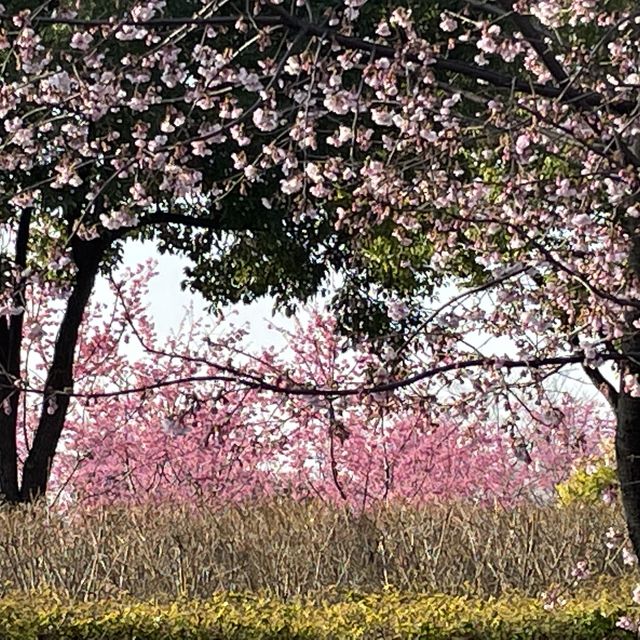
(588, 481)
(386, 614)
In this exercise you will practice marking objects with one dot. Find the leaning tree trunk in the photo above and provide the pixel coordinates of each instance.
(37, 466)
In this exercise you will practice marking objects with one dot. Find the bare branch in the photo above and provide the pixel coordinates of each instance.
(179, 218)
(264, 385)
(507, 275)
(153, 23)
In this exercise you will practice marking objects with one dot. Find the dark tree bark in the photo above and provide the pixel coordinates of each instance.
(628, 461)
(628, 439)
(87, 256)
(8, 467)
(628, 417)
(628, 444)
(10, 348)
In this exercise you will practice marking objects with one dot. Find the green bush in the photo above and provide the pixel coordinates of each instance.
(588, 481)
(386, 615)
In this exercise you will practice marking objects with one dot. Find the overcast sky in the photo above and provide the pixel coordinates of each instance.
(169, 303)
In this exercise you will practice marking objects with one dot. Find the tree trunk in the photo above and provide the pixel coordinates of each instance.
(628, 439)
(628, 462)
(10, 361)
(628, 414)
(35, 474)
(8, 420)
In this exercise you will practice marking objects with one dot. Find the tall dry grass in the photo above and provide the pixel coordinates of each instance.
(287, 548)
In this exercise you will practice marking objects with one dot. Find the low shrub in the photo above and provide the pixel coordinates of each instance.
(385, 615)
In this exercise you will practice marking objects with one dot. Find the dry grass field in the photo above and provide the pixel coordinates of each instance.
(286, 549)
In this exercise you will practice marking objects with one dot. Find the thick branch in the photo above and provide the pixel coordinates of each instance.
(602, 385)
(181, 219)
(536, 39)
(578, 98)
(597, 379)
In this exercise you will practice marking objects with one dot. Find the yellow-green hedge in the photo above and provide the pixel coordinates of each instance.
(587, 483)
(384, 616)
(591, 476)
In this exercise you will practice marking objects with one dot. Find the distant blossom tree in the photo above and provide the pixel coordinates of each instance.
(225, 441)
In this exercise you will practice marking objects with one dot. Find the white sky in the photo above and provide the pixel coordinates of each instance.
(168, 303)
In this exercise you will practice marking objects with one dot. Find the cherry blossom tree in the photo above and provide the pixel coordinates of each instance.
(486, 145)
(219, 439)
